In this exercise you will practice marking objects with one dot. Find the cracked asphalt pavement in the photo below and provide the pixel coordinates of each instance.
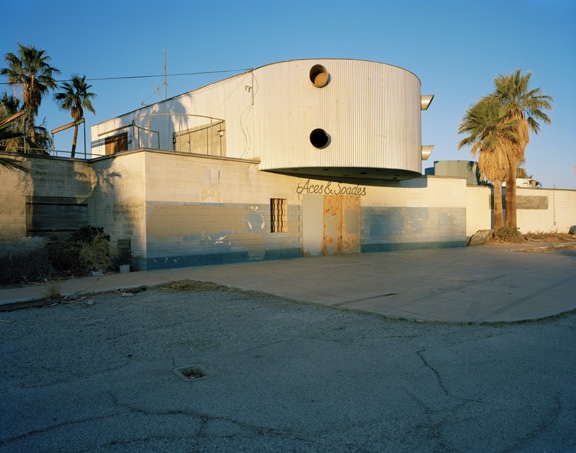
(101, 374)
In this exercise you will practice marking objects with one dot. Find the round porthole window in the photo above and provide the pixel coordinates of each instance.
(319, 138)
(319, 76)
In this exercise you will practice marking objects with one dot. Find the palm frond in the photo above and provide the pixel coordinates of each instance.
(12, 165)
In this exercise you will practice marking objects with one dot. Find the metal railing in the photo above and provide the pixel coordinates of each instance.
(168, 132)
(27, 150)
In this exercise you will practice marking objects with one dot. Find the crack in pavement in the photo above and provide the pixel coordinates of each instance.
(205, 419)
(55, 426)
(523, 443)
(436, 373)
(440, 381)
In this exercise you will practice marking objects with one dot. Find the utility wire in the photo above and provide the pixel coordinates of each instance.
(152, 76)
(167, 75)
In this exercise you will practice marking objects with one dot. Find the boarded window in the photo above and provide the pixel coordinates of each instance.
(116, 143)
(278, 215)
(49, 216)
(209, 139)
(531, 202)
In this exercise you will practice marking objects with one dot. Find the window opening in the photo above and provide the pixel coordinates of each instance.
(319, 76)
(116, 143)
(208, 139)
(278, 215)
(319, 138)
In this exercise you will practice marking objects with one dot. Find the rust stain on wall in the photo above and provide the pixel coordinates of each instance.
(350, 224)
(341, 224)
(332, 239)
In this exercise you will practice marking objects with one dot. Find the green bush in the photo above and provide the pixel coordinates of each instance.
(95, 255)
(86, 250)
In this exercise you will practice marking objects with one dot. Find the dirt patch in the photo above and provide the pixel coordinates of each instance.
(193, 285)
(547, 248)
(538, 242)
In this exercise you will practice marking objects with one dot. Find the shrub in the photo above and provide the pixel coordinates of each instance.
(95, 255)
(52, 289)
(29, 266)
(85, 250)
(509, 234)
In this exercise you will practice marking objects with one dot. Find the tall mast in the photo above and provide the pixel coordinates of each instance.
(165, 83)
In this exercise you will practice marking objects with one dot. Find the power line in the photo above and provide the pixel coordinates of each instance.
(152, 76)
(167, 75)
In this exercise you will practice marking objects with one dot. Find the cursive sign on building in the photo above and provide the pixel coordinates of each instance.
(329, 188)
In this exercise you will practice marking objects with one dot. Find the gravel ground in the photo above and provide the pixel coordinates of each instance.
(199, 367)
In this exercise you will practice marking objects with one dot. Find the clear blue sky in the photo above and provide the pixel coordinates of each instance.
(456, 48)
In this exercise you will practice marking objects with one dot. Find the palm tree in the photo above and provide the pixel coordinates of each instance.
(491, 135)
(75, 97)
(526, 106)
(7, 135)
(13, 122)
(29, 70)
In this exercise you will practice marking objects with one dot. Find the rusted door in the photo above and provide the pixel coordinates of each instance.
(341, 225)
(331, 225)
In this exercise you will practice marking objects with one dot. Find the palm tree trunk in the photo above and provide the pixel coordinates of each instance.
(498, 216)
(511, 220)
(74, 139)
(31, 132)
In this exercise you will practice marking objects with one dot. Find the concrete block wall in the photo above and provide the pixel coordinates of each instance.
(203, 210)
(118, 201)
(479, 214)
(538, 210)
(546, 210)
(420, 213)
(16, 185)
(48, 177)
(184, 210)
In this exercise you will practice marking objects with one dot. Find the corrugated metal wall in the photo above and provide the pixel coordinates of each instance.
(370, 110)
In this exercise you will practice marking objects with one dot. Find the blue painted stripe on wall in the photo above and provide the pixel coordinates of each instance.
(173, 262)
(402, 246)
(210, 259)
(279, 254)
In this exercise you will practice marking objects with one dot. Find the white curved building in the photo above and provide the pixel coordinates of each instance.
(298, 158)
(331, 119)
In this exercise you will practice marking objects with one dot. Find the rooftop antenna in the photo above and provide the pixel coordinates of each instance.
(164, 84)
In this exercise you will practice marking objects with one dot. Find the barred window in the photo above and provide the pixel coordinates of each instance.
(278, 215)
